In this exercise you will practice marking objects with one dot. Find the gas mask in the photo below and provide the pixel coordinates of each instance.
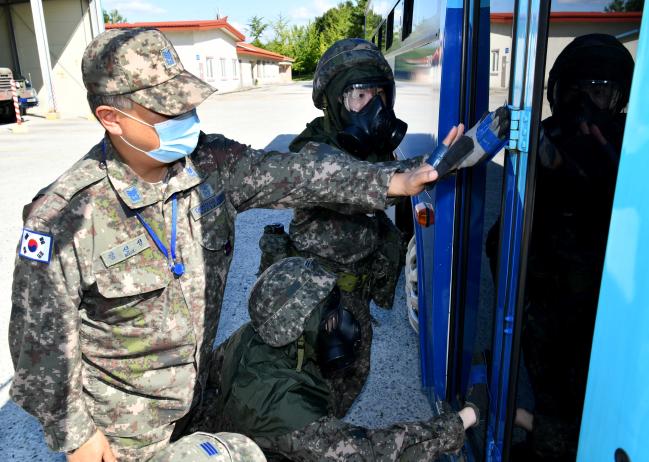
(594, 102)
(370, 124)
(339, 337)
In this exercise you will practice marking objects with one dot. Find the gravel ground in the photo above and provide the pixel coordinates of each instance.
(266, 117)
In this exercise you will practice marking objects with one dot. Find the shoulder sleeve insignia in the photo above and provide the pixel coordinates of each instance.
(35, 246)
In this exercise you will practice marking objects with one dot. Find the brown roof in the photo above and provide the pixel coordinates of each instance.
(184, 25)
(250, 50)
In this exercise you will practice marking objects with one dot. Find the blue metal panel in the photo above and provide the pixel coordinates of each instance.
(436, 340)
(527, 20)
(476, 201)
(616, 410)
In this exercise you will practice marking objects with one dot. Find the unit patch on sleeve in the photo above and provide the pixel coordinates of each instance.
(35, 246)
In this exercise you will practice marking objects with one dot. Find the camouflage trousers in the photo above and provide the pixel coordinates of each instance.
(330, 439)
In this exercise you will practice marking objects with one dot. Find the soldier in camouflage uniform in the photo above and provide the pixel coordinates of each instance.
(271, 388)
(123, 260)
(354, 86)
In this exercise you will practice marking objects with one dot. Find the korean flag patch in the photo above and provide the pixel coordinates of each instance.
(35, 246)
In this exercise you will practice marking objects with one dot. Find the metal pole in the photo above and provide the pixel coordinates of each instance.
(14, 94)
(43, 52)
(97, 17)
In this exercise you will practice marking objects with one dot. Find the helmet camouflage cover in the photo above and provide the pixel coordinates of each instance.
(342, 56)
(285, 295)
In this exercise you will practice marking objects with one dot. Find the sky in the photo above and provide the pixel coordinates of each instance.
(297, 12)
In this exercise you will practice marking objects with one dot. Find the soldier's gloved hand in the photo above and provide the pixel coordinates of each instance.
(480, 143)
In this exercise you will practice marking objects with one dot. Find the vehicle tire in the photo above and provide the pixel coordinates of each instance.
(412, 293)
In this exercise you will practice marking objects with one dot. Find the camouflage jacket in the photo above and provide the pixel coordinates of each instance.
(340, 233)
(103, 336)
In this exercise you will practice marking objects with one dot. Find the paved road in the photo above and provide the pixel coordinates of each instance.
(263, 117)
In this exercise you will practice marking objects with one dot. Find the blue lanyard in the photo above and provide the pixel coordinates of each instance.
(178, 269)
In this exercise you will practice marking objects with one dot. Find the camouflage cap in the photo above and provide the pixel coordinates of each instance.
(343, 55)
(221, 447)
(284, 296)
(142, 65)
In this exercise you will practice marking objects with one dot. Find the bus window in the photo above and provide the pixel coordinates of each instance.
(397, 26)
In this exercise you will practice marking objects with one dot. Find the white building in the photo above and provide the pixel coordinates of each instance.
(259, 66)
(45, 41)
(564, 27)
(214, 51)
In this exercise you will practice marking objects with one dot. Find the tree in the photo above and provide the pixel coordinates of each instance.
(306, 43)
(256, 28)
(624, 5)
(113, 17)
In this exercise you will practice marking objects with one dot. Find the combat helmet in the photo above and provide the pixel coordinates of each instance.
(350, 54)
(285, 295)
(593, 57)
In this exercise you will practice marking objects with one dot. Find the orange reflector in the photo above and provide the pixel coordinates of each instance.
(425, 214)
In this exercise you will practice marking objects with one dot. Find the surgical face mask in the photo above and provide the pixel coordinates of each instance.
(374, 128)
(178, 137)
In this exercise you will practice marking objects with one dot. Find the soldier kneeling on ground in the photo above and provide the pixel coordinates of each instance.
(272, 387)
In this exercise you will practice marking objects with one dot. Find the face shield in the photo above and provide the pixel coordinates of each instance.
(370, 125)
(603, 94)
(357, 96)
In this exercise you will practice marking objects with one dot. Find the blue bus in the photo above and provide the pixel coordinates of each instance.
(453, 61)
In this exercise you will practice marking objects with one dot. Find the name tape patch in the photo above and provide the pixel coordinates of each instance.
(126, 250)
(35, 246)
(207, 206)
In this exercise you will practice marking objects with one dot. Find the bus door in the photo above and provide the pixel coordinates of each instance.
(530, 26)
(615, 422)
(448, 252)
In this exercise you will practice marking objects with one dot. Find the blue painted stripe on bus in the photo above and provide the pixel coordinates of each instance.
(449, 115)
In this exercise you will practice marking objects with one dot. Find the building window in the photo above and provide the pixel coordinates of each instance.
(495, 55)
(235, 69)
(224, 72)
(209, 65)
